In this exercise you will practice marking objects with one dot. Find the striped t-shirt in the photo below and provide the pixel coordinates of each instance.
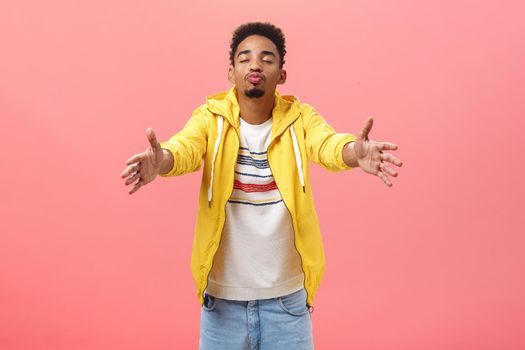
(256, 258)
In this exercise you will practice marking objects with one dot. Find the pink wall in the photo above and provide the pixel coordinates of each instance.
(435, 262)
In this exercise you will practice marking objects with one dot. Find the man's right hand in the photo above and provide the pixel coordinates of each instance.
(144, 167)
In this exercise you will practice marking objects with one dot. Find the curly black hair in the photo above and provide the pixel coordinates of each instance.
(267, 30)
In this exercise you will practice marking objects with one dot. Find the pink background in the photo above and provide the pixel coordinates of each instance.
(435, 262)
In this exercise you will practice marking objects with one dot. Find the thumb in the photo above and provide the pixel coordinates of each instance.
(152, 139)
(363, 134)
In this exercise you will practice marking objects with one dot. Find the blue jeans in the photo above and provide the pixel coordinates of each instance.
(265, 324)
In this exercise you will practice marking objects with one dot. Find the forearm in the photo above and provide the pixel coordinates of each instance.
(349, 156)
(167, 162)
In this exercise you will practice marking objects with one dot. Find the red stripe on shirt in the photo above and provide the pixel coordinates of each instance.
(254, 187)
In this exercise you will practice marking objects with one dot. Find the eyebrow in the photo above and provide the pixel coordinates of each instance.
(264, 52)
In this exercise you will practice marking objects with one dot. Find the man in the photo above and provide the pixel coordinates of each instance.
(257, 257)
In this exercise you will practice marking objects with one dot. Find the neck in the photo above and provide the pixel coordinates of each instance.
(256, 110)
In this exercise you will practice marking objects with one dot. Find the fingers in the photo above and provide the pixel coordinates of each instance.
(135, 188)
(386, 146)
(130, 170)
(152, 139)
(383, 177)
(363, 134)
(391, 158)
(136, 158)
(386, 169)
(132, 179)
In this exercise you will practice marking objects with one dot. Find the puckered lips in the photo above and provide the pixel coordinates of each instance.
(255, 78)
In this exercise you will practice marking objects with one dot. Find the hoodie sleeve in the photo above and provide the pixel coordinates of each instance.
(188, 146)
(323, 145)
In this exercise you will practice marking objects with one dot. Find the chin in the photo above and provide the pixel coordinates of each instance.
(254, 92)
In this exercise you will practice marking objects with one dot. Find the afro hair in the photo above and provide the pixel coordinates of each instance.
(267, 30)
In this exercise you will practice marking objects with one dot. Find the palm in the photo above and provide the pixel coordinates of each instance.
(370, 155)
(150, 165)
(367, 155)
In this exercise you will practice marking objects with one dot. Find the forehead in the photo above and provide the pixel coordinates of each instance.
(257, 43)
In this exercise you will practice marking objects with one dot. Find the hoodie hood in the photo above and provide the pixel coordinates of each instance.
(285, 111)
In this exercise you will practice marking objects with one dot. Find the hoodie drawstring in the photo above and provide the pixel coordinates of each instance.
(220, 122)
(297, 153)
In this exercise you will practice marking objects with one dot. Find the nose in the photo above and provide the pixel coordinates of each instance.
(254, 66)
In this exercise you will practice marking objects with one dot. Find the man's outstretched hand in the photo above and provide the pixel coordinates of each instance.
(370, 156)
(144, 167)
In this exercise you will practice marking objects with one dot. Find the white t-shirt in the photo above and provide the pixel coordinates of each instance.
(256, 258)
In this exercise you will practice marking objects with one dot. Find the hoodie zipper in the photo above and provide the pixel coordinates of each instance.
(222, 231)
(293, 226)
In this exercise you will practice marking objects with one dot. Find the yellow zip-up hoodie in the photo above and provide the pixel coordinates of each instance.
(298, 134)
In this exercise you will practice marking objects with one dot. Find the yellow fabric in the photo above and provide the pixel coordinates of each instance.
(317, 142)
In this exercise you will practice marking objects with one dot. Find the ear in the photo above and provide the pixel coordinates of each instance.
(282, 78)
(230, 74)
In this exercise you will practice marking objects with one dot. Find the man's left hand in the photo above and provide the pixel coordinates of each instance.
(370, 156)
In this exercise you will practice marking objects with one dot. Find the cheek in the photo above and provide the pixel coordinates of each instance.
(236, 75)
(275, 77)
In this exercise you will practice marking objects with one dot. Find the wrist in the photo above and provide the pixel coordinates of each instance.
(167, 162)
(349, 155)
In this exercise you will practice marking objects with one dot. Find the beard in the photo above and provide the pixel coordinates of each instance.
(254, 92)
